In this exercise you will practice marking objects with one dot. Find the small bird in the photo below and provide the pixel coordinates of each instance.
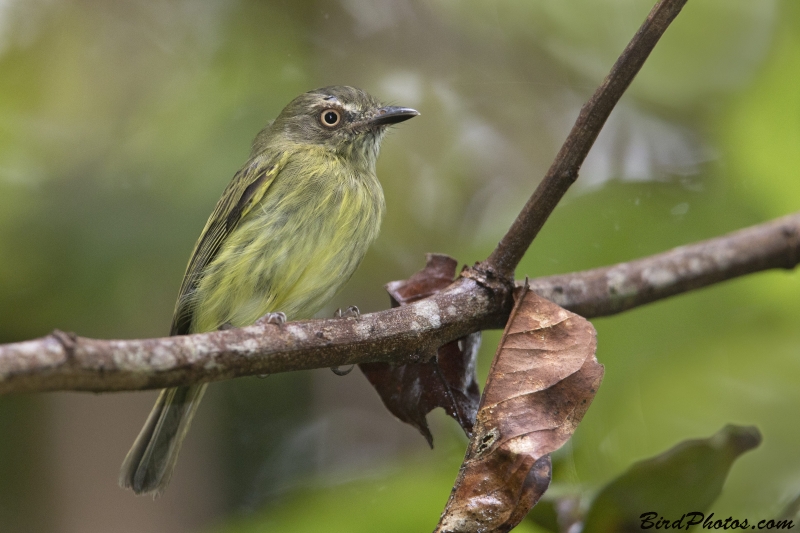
(287, 233)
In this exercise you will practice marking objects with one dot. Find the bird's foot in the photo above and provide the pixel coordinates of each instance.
(225, 327)
(278, 319)
(350, 312)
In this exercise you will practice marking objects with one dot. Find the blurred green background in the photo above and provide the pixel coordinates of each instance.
(121, 122)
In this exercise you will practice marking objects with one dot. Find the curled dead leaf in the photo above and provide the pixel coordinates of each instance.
(447, 380)
(542, 380)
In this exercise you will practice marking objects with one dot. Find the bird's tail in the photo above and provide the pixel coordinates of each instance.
(150, 461)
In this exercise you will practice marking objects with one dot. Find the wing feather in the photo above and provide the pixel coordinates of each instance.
(245, 190)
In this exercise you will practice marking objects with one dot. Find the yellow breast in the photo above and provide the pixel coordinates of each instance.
(295, 249)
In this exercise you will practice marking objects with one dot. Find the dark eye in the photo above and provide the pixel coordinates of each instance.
(330, 117)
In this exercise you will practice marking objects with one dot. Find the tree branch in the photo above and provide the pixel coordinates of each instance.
(62, 361)
(564, 170)
(614, 289)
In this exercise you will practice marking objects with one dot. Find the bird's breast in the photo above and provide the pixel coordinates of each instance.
(295, 249)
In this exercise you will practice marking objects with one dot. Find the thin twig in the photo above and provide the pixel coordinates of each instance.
(66, 362)
(564, 170)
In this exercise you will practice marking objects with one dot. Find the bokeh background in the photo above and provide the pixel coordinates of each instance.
(121, 122)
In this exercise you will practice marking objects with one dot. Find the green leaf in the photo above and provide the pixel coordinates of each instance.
(687, 478)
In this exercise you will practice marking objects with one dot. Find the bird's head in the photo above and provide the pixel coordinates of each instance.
(342, 119)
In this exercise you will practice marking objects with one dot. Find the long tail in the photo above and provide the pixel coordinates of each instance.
(150, 461)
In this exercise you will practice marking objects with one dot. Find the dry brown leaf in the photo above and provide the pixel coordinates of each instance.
(542, 380)
(447, 380)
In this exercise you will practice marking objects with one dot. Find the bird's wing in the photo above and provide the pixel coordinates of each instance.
(244, 191)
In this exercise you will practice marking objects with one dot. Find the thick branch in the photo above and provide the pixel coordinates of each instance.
(564, 170)
(64, 362)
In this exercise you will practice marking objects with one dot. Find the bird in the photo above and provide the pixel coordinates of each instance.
(287, 233)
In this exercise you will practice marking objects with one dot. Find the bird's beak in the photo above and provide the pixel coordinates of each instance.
(392, 115)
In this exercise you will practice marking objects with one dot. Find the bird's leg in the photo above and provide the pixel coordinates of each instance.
(350, 312)
(278, 319)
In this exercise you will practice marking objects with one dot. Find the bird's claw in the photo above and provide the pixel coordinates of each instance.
(342, 370)
(350, 312)
(278, 319)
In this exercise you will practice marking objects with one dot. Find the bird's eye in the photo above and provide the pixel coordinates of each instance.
(330, 117)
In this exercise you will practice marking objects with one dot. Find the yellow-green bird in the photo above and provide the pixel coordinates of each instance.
(288, 232)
